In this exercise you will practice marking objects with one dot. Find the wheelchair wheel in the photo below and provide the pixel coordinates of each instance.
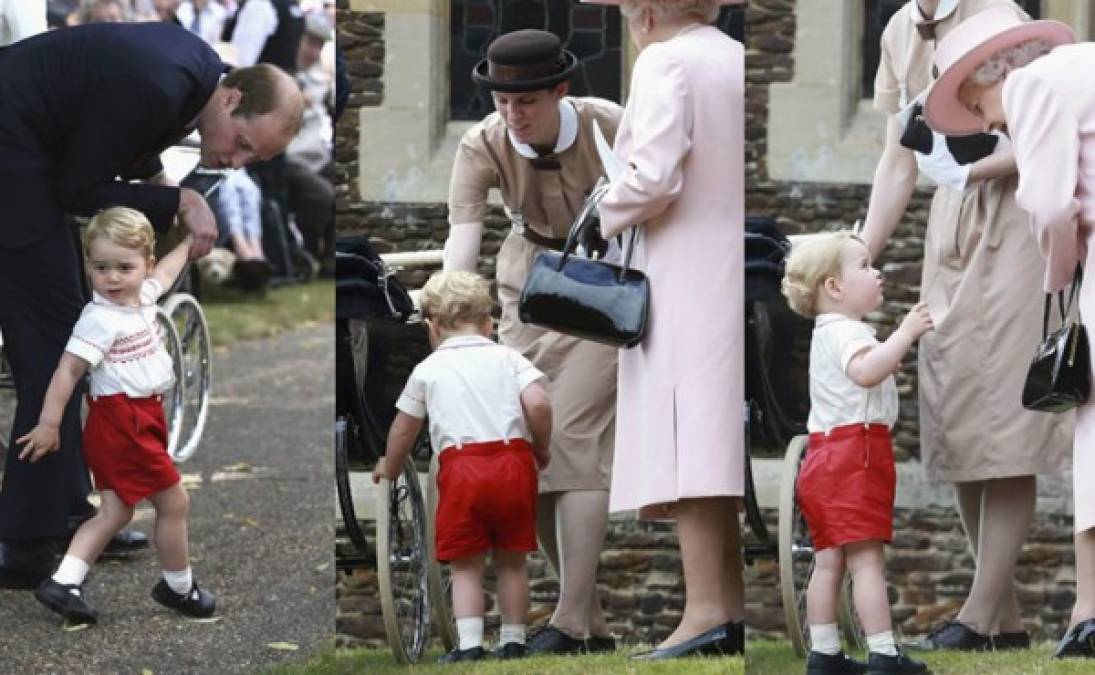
(197, 370)
(440, 577)
(174, 398)
(402, 564)
(343, 438)
(796, 560)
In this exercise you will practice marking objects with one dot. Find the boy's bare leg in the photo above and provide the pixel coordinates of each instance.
(866, 563)
(467, 586)
(823, 589)
(95, 533)
(512, 574)
(172, 507)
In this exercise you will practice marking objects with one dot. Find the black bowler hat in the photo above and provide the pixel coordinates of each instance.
(524, 60)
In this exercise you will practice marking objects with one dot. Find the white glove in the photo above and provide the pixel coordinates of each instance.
(940, 165)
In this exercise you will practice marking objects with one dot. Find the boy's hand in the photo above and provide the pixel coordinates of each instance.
(382, 471)
(543, 458)
(40, 441)
(917, 322)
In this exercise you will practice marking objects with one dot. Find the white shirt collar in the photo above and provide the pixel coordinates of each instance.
(942, 11)
(833, 317)
(465, 341)
(568, 132)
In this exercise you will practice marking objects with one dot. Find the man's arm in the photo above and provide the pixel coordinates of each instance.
(894, 182)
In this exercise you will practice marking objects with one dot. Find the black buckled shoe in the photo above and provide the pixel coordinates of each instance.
(883, 664)
(1078, 641)
(958, 636)
(551, 640)
(722, 640)
(833, 664)
(66, 600)
(197, 603)
(457, 655)
(1016, 640)
(596, 644)
(25, 566)
(511, 650)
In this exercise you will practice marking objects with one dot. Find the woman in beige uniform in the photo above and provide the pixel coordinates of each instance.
(538, 151)
(982, 281)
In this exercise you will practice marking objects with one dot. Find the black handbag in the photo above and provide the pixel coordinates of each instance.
(965, 149)
(586, 298)
(1059, 378)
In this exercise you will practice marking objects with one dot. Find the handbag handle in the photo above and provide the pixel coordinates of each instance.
(1063, 307)
(594, 198)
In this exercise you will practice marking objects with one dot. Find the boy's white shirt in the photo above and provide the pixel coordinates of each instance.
(123, 346)
(470, 388)
(835, 400)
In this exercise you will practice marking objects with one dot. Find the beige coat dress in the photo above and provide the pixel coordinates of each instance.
(982, 280)
(581, 374)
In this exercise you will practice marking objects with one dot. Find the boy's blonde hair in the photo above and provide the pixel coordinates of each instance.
(812, 262)
(455, 297)
(124, 227)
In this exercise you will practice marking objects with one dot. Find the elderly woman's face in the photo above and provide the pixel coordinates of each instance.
(986, 102)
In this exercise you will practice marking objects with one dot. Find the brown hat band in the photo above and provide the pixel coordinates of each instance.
(506, 73)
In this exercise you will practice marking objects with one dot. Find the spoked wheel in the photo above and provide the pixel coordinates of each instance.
(174, 397)
(440, 577)
(402, 564)
(796, 560)
(197, 371)
(343, 439)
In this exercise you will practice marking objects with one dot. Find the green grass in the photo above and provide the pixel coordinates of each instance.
(235, 316)
(330, 661)
(769, 657)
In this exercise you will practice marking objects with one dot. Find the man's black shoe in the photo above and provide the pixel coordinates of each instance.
(551, 640)
(25, 566)
(68, 601)
(126, 542)
(197, 603)
(958, 636)
(723, 640)
(883, 664)
(833, 664)
(511, 650)
(595, 644)
(1079, 641)
(473, 654)
(1017, 640)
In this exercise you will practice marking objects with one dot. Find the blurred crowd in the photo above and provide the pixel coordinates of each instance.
(276, 219)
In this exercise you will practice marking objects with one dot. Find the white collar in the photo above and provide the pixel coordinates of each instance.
(465, 341)
(833, 317)
(568, 132)
(944, 9)
(100, 300)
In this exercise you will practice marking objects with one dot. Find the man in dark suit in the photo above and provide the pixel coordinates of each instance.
(83, 112)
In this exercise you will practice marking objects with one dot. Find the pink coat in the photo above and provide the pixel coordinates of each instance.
(679, 419)
(1050, 109)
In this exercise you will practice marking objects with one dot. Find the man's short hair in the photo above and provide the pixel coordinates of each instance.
(259, 86)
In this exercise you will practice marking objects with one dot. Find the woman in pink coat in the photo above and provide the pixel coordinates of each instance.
(1027, 80)
(679, 425)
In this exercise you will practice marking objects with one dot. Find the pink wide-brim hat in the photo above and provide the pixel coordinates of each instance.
(617, 2)
(966, 48)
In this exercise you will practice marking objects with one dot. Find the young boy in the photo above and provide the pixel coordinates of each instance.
(117, 340)
(490, 422)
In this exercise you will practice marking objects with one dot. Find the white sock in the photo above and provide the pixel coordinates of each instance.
(180, 581)
(470, 630)
(882, 643)
(71, 572)
(511, 632)
(824, 638)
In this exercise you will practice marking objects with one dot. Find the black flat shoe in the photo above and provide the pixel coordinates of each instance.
(721, 640)
(1016, 640)
(596, 644)
(833, 664)
(197, 603)
(25, 566)
(882, 664)
(551, 640)
(126, 542)
(958, 636)
(511, 650)
(456, 655)
(1078, 641)
(68, 601)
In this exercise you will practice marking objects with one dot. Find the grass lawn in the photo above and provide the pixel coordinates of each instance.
(330, 661)
(769, 657)
(235, 316)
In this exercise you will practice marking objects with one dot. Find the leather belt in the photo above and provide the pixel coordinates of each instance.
(536, 238)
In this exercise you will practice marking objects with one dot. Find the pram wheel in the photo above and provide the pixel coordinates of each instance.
(195, 357)
(174, 398)
(344, 436)
(440, 576)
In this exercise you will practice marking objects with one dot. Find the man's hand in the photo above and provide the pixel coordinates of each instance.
(198, 218)
(40, 441)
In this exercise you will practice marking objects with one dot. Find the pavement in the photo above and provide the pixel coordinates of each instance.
(261, 535)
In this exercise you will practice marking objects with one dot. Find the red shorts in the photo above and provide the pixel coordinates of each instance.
(125, 446)
(846, 485)
(486, 499)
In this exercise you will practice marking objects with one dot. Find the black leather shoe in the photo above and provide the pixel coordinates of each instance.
(1078, 641)
(882, 664)
(197, 603)
(125, 542)
(958, 636)
(1017, 640)
(68, 601)
(511, 650)
(595, 644)
(456, 655)
(833, 664)
(551, 640)
(25, 566)
(721, 640)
